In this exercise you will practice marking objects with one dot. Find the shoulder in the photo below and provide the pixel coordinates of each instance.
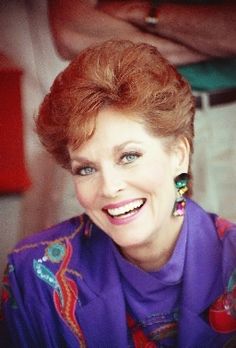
(210, 223)
(50, 274)
(75, 243)
(224, 228)
(49, 243)
(215, 254)
(58, 231)
(226, 232)
(215, 236)
(66, 229)
(70, 251)
(222, 313)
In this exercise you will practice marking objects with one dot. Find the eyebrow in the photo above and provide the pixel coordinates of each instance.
(120, 147)
(117, 149)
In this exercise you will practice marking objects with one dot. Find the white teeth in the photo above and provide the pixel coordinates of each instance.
(126, 208)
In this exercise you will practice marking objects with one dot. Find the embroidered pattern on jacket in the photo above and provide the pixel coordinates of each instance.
(139, 338)
(53, 254)
(222, 314)
(84, 223)
(65, 292)
(222, 226)
(166, 328)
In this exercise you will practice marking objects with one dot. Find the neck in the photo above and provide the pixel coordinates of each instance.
(153, 255)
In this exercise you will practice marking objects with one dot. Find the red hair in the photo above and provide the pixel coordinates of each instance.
(126, 76)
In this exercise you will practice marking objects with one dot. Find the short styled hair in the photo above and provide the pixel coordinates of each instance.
(129, 77)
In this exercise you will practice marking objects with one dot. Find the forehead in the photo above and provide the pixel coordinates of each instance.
(116, 129)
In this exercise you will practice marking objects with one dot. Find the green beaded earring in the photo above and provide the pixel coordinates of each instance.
(181, 182)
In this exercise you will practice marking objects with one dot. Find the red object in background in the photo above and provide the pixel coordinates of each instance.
(13, 174)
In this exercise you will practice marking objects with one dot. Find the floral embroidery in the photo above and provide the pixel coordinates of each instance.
(46, 275)
(65, 294)
(222, 226)
(140, 340)
(166, 328)
(55, 252)
(222, 314)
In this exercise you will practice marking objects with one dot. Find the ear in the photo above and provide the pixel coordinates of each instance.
(180, 153)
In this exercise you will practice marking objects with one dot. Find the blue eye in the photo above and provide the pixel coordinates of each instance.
(129, 157)
(84, 171)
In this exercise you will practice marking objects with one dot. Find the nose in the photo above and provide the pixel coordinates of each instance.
(112, 182)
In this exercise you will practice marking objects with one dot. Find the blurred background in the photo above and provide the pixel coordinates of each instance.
(34, 192)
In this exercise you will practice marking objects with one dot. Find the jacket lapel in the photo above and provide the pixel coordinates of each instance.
(103, 314)
(104, 320)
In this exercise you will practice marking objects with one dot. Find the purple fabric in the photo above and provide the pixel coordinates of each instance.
(80, 273)
(153, 298)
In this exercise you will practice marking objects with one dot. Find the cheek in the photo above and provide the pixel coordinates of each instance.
(155, 175)
(84, 195)
(158, 178)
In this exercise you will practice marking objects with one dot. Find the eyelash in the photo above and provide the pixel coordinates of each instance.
(134, 154)
(81, 171)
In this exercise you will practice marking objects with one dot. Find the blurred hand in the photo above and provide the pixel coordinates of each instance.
(131, 11)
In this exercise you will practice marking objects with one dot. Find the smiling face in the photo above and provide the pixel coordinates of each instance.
(124, 179)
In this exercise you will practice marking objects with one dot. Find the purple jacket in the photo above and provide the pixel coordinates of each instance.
(63, 288)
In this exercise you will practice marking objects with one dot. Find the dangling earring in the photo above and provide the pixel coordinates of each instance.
(181, 182)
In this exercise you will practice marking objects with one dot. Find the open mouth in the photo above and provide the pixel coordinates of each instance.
(127, 209)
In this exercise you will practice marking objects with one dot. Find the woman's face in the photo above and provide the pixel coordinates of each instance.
(124, 179)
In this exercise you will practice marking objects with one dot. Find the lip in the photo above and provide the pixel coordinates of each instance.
(126, 219)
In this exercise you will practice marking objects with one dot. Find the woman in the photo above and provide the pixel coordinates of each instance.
(144, 266)
(198, 36)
